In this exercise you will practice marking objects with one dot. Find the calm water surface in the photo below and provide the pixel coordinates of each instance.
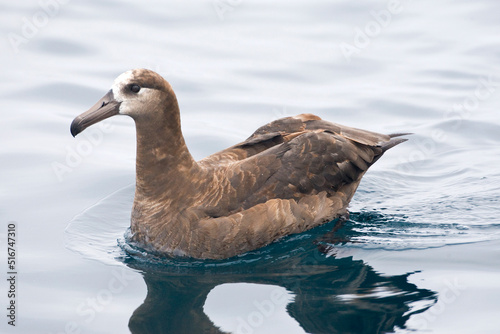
(421, 251)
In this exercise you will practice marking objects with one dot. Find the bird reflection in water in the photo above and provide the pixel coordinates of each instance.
(331, 294)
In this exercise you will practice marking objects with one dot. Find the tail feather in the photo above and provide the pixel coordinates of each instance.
(392, 135)
(393, 142)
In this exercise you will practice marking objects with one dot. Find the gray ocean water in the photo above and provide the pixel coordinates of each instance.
(421, 251)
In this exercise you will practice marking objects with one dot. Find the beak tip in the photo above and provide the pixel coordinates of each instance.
(74, 129)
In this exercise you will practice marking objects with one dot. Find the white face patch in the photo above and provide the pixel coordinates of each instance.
(121, 81)
(130, 103)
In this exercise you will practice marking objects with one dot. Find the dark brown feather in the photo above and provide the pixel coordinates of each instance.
(289, 175)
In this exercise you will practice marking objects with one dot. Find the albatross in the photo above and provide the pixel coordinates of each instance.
(289, 176)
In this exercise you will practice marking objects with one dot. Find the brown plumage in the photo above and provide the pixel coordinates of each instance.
(290, 175)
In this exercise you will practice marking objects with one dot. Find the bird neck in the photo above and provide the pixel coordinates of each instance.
(163, 160)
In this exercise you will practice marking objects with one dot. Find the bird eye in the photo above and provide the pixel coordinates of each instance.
(135, 88)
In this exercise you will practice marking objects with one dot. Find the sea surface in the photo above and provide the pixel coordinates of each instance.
(421, 250)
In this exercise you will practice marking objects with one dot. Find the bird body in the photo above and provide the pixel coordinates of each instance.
(290, 175)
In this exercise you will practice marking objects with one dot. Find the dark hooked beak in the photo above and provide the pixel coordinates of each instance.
(104, 108)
